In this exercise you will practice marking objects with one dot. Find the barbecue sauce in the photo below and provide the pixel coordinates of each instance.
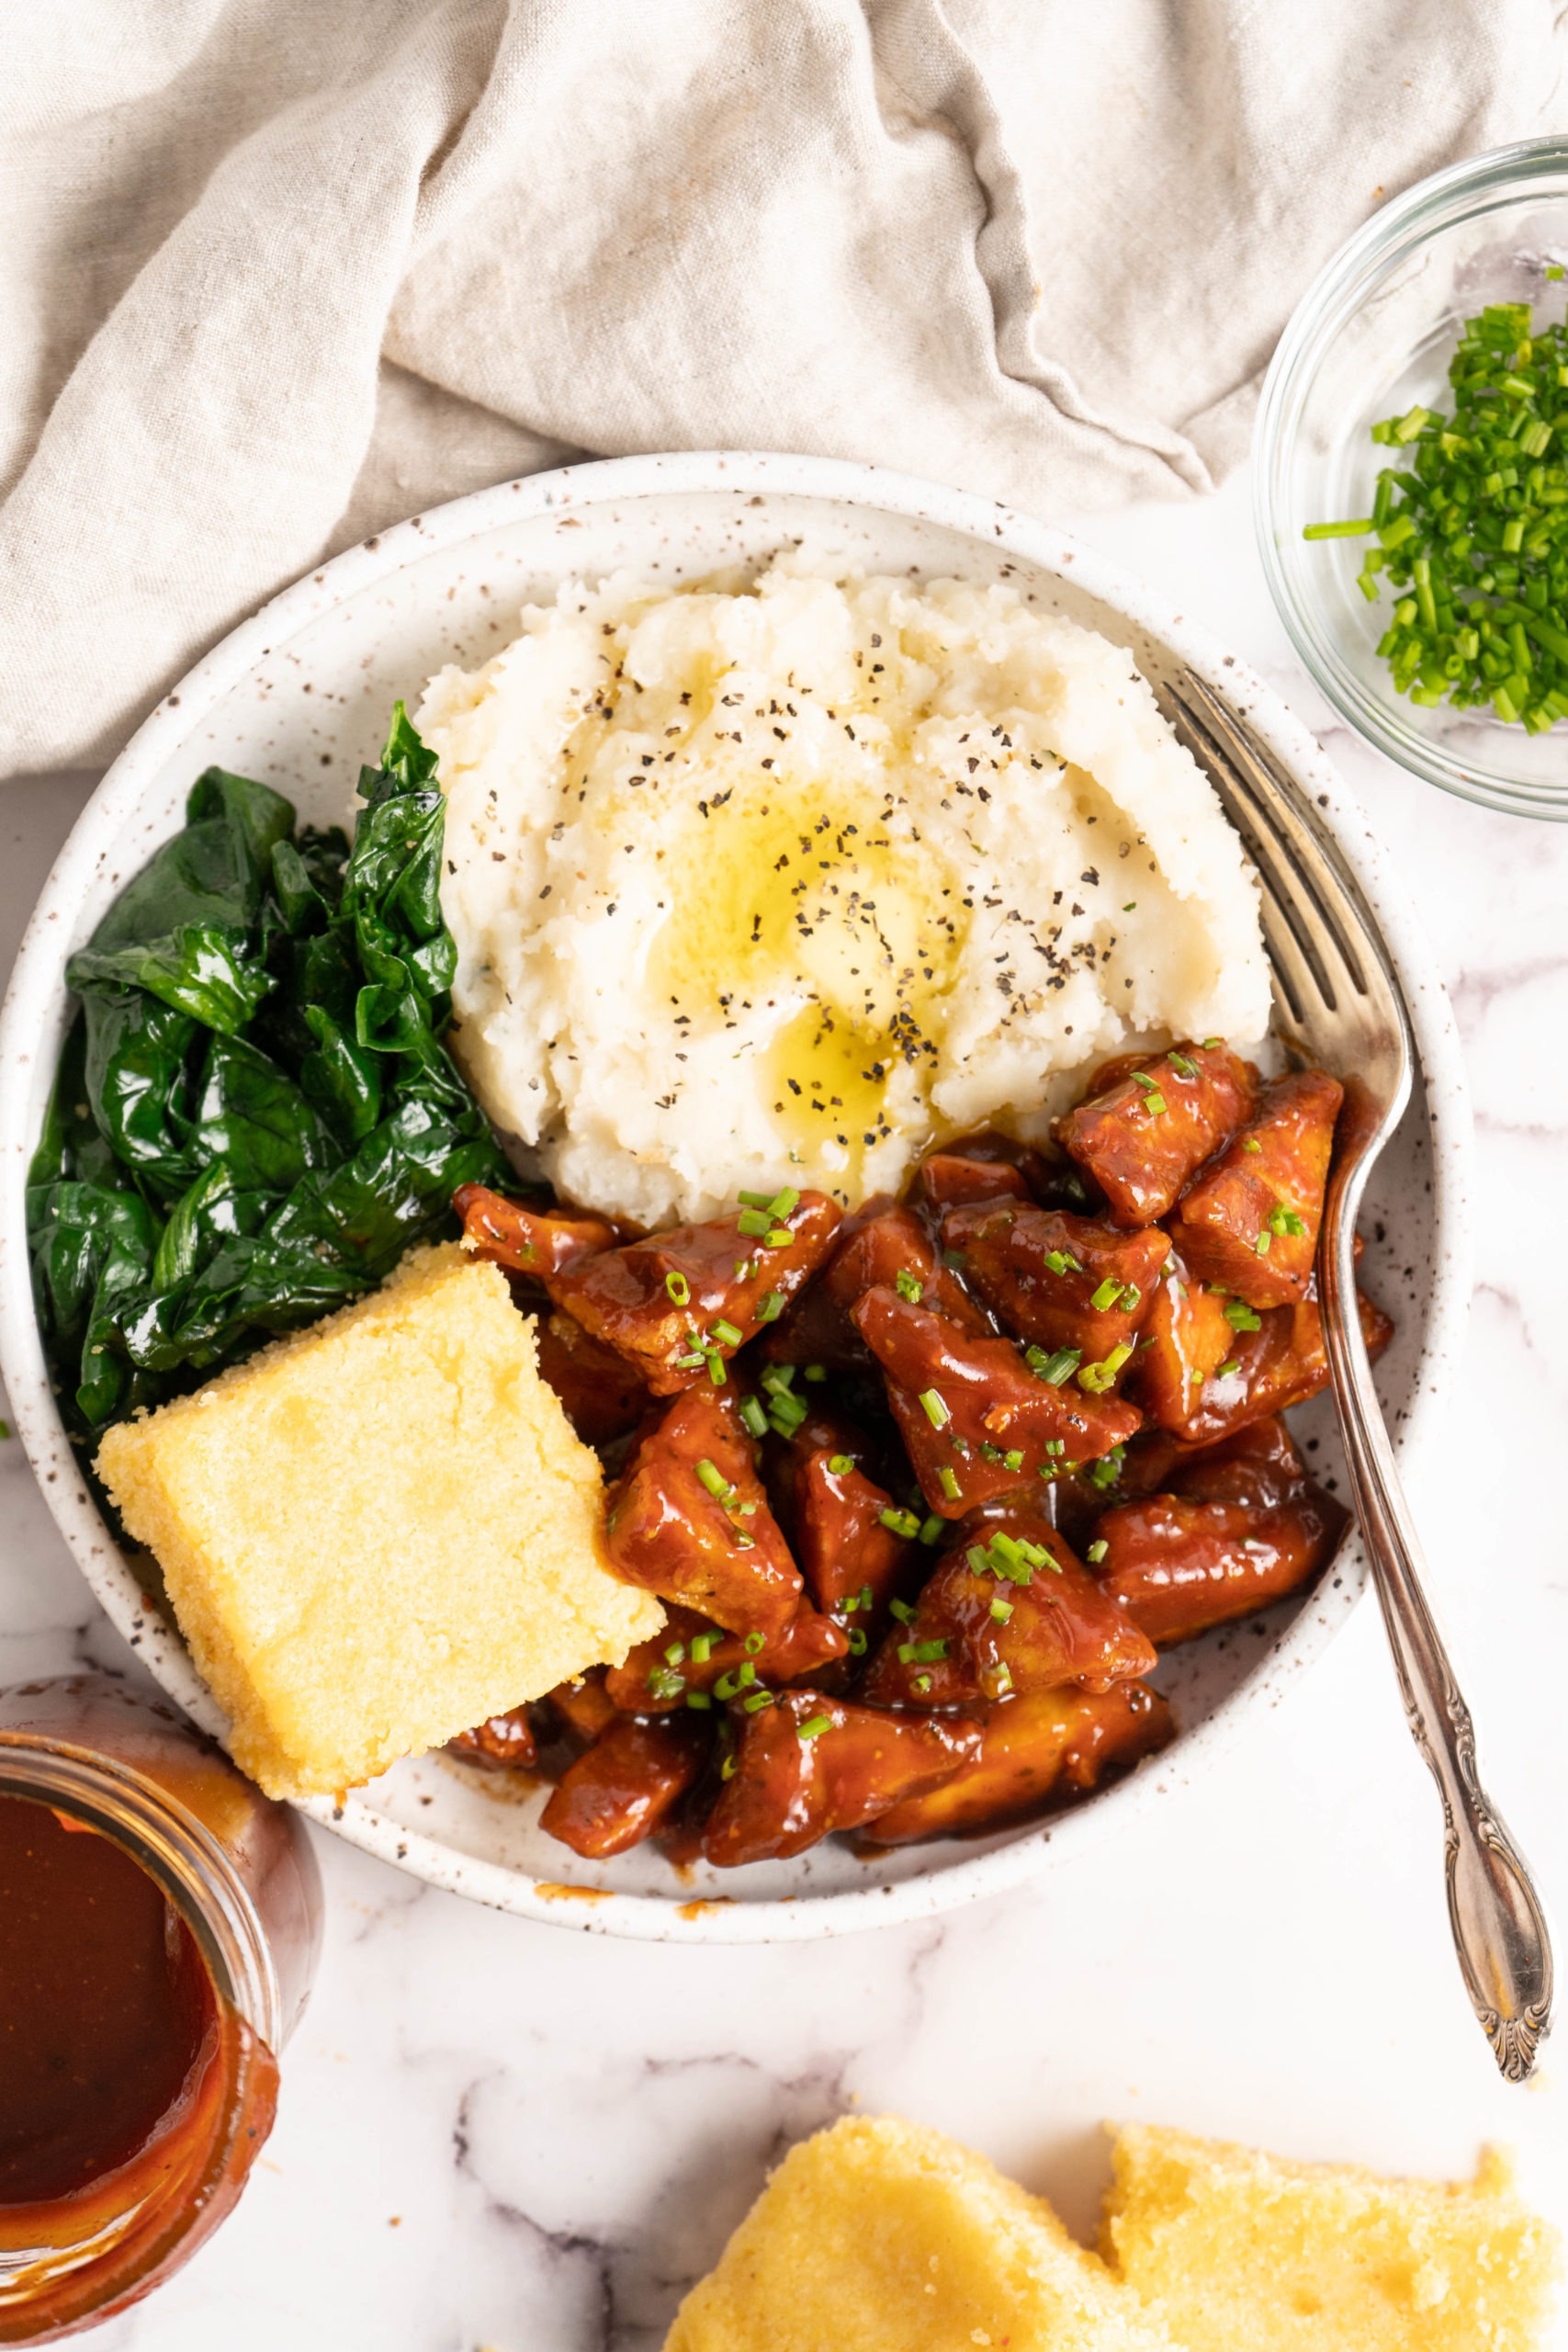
(132, 2097)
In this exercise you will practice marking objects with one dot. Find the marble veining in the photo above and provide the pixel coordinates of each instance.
(493, 2133)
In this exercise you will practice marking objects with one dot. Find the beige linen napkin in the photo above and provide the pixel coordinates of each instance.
(276, 272)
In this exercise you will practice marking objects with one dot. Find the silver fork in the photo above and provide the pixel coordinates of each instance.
(1340, 1006)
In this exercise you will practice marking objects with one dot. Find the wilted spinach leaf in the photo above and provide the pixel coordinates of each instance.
(257, 1120)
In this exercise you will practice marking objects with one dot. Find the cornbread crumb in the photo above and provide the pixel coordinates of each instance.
(1230, 2248)
(377, 1532)
(889, 2238)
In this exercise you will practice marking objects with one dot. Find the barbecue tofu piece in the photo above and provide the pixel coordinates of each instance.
(626, 1786)
(1008, 1611)
(1178, 1567)
(679, 1304)
(1248, 1223)
(1057, 1281)
(883, 2236)
(976, 1419)
(809, 1765)
(690, 1519)
(378, 1532)
(1145, 1135)
(1230, 2248)
(1035, 1753)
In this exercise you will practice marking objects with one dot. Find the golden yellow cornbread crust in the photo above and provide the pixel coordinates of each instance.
(1230, 2248)
(880, 2236)
(377, 1532)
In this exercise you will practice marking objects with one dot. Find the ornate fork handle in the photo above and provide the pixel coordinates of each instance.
(1499, 1928)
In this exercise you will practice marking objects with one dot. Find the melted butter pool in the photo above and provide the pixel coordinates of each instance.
(791, 891)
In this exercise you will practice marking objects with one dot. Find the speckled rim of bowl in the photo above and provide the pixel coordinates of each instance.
(37, 987)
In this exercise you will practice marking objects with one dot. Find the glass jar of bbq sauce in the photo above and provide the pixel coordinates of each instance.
(160, 1924)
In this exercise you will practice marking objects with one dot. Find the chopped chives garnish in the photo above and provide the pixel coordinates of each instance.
(947, 1478)
(730, 1685)
(758, 1699)
(922, 1653)
(1150, 1085)
(1210, 1044)
(907, 1286)
(858, 1644)
(754, 1223)
(675, 1654)
(1223, 1371)
(679, 1288)
(699, 1699)
(770, 1309)
(1240, 1317)
(1263, 1241)
(778, 1237)
(714, 1480)
(665, 1683)
(1252, 1144)
(1004, 1679)
(755, 1644)
(1355, 530)
(1062, 1262)
(728, 1769)
(716, 1368)
(865, 1596)
(922, 1683)
(754, 1200)
(1180, 1062)
(752, 1414)
(1096, 1550)
(902, 1610)
(934, 1529)
(934, 1407)
(702, 1648)
(817, 1371)
(815, 1725)
(784, 1203)
(1055, 1368)
(1013, 1458)
(1285, 1220)
(1108, 1469)
(725, 1334)
(899, 1523)
(1097, 1377)
(1001, 1611)
(1108, 1294)
(1471, 530)
(840, 1465)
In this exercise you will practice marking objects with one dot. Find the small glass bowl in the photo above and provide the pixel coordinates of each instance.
(1372, 335)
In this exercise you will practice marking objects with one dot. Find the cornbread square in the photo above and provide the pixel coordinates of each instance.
(377, 1532)
(883, 2237)
(1230, 2248)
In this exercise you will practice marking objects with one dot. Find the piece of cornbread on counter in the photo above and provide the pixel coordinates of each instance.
(1234, 2249)
(881, 2236)
(377, 1532)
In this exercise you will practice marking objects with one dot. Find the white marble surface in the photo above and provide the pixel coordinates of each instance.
(498, 2134)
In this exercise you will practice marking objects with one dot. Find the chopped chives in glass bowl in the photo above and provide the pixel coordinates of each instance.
(1412, 479)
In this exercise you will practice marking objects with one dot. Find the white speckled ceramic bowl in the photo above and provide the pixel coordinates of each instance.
(299, 696)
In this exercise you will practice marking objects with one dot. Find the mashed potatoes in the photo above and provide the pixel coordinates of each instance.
(778, 884)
